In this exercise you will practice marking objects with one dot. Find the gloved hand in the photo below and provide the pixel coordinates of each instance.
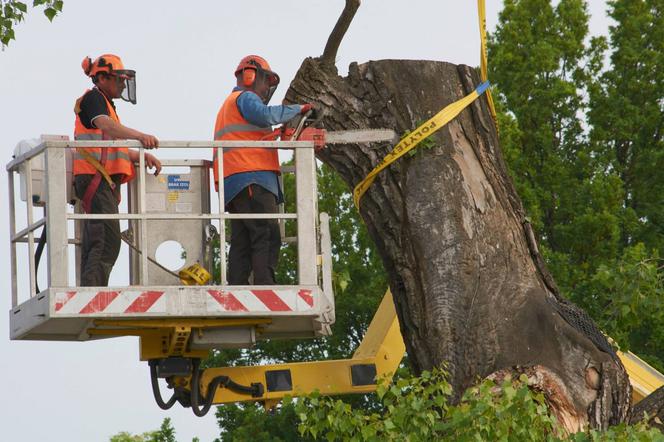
(308, 107)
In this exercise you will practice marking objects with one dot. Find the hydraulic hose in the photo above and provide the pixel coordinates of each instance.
(255, 390)
(155, 388)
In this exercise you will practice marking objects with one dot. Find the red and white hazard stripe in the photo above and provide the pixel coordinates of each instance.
(87, 302)
(287, 300)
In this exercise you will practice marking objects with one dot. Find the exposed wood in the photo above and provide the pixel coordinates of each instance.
(555, 392)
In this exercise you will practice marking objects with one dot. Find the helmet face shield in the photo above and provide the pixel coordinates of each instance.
(127, 81)
(266, 84)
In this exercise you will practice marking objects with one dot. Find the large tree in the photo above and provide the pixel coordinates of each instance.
(471, 288)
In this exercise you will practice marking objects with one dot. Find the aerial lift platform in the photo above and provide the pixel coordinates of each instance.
(178, 324)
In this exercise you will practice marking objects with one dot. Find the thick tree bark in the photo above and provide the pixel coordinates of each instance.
(471, 290)
(653, 408)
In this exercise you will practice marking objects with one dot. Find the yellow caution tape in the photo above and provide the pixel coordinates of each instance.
(414, 138)
(481, 9)
(194, 275)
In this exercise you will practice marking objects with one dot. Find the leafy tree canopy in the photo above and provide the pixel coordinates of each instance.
(12, 12)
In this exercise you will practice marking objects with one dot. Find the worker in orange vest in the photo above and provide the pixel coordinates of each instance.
(251, 174)
(99, 172)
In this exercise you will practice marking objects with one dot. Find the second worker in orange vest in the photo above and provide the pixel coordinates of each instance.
(100, 171)
(251, 174)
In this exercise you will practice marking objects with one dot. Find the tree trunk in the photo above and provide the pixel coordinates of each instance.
(471, 289)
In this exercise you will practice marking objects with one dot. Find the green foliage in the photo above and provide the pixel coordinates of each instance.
(620, 433)
(250, 422)
(627, 115)
(626, 299)
(418, 409)
(127, 437)
(166, 433)
(424, 144)
(13, 12)
(583, 142)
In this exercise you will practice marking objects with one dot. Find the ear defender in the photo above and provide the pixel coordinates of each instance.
(86, 64)
(248, 77)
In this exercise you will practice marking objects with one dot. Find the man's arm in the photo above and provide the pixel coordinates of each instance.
(256, 112)
(116, 130)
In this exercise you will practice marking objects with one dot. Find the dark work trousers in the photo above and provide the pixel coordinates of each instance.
(101, 237)
(255, 243)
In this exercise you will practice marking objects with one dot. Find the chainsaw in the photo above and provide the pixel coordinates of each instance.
(304, 131)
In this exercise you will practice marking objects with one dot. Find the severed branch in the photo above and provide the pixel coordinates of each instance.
(337, 34)
(653, 407)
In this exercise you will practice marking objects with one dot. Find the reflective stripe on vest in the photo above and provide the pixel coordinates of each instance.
(117, 161)
(231, 126)
(240, 128)
(112, 155)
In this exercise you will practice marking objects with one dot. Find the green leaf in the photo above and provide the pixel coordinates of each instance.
(50, 13)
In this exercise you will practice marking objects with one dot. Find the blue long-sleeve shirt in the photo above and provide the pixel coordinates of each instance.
(256, 112)
(259, 114)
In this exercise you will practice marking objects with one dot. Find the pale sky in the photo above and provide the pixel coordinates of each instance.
(184, 54)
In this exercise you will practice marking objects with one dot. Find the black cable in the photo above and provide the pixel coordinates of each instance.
(195, 392)
(155, 388)
(38, 254)
(255, 390)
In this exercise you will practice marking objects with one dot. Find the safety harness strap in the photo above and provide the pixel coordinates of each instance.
(86, 202)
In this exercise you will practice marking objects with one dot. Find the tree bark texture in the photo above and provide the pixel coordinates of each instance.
(471, 289)
(653, 408)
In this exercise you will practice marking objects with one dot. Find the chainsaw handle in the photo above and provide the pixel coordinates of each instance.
(300, 125)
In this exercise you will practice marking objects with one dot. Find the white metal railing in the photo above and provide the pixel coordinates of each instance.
(57, 216)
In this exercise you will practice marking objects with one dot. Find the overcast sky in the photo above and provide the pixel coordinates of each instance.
(184, 54)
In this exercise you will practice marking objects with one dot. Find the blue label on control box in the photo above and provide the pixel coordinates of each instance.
(177, 183)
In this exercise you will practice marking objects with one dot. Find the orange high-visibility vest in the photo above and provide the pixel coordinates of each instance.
(231, 125)
(117, 159)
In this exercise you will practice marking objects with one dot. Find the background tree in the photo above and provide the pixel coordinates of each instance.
(12, 12)
(553, 83)
(165, 433)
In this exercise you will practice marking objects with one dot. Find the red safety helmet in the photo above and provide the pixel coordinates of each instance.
(112, 65)
(253, 71)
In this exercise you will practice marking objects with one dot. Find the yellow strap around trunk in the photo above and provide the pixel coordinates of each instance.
(414, 138)
(439, 120)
